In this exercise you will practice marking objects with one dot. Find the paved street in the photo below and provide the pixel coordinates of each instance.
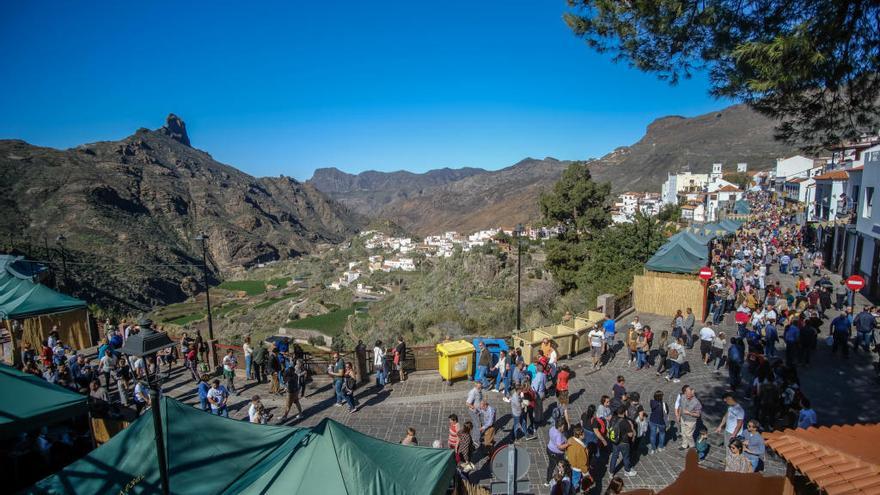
(841, 391)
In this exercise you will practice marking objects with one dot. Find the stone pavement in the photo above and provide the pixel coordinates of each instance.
(841, 391)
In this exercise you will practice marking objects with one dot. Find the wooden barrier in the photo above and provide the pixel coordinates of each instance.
(666, 293)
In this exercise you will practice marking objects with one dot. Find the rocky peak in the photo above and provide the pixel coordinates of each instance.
(175, 128)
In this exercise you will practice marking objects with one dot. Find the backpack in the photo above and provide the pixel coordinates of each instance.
(614, 432)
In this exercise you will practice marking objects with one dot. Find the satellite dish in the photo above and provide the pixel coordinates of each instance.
(501, 463)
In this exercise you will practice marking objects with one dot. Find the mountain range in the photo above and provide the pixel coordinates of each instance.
(130, 212)
(470, 199)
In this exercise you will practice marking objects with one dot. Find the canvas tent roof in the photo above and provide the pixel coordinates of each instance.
(687, 241)
(29, 402)
(21, 298)
(211, 454)
(741, 207)
(730, 225)
(676, 259)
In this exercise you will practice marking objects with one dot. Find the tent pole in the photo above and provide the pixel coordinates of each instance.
(157, 427)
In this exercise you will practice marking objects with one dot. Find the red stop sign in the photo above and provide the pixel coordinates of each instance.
(705, 273)
(855, 282)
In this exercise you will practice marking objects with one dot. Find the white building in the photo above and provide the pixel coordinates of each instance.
(797, 166)
(682, 183)
(831, 195)
(721, 199)
(866, 260)
(404, 264)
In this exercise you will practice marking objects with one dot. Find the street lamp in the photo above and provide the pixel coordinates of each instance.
(517, 235)
(148, 342)
(60, 241)
(203, 238)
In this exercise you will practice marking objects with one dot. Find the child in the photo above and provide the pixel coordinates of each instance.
(641, 432)
(703, 444)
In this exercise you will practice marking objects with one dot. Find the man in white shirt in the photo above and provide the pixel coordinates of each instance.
(139, 367)
(217, 397)
(597, 339)
(707, 335)
(229, 364)
(141, 396)
(732, 421)
(379, 364)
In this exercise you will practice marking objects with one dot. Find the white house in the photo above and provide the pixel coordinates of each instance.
(685, 182)
(700, 213)
(796, 166)
(867, 209)
(722, 199)
(831, 195)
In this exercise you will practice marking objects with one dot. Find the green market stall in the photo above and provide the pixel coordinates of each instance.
(211, 454)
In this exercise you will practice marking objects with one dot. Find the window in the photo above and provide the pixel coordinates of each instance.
(869, 202)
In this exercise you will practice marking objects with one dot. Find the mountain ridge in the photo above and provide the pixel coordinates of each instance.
(142, 200)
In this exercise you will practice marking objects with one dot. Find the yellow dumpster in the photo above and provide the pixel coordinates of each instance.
(529, 341)
(456, 360)
(564, 336)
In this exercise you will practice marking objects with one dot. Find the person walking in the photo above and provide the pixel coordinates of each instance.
(621, 433)
(466, 446)
(229, 364)
(735, 360)
(691, 410)
(539, 386)
(578, 456)
(379, 364)
(733, 419)
(556, 445)
(676, 355)
(707, 335)
(662, 352)
(516, 412)
(657, 422)
(792, 339)
(841, 329)
(337, 371)
(597, 341)
(474, 399)
(689, 322)
(349, 383)
(484, 361)
(864, 322)
(258, 361)
(502, 374)
(487, 426)
(292, 383)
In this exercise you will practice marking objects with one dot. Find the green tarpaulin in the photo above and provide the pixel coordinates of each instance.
(741, 207)
(730, 225)
(24, 299)
(677, 259)
(211, 454)
(28, 402)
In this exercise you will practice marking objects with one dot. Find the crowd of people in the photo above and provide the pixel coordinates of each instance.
(770, 287)
(778, 323)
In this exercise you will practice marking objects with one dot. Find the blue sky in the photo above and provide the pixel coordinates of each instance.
(287, 87)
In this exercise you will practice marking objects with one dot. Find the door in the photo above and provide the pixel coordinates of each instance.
(874, 282)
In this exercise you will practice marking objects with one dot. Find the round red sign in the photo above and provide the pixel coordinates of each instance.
(855, 282)
(705, 273)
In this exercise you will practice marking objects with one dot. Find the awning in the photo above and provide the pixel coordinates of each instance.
(29, 402)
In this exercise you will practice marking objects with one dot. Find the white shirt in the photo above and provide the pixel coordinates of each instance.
(248, 350)
(553, 357)
(707, 333)
(252, 413)
(637, 325)
(501, 364)
(218, 395)
(141, 393)
(597, 336)
(139, 367)
(229, 363)
(734, 413)
(378, 357)
(108, 363)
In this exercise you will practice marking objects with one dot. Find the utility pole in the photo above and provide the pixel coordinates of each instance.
(517, 235)
(60, 240)
(204, 240)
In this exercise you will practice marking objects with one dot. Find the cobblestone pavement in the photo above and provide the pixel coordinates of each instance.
(842, 391)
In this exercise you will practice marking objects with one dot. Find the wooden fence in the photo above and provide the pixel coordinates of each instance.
(666, 293)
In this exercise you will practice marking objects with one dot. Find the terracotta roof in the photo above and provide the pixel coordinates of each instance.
(798, 180)
(729, 189)
(840, 460)
(833, 175)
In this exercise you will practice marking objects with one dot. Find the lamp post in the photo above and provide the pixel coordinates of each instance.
(60, 241)
(204, 240)
(148, 342)
(517, 235)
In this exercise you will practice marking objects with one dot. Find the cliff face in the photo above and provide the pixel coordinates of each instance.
(130, 211)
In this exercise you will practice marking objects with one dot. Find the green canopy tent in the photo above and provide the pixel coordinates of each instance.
(210, 454)
(29, 402)
(730, 225)
(688, 241)
(677, 259)
(28, 300)
(40, 308)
